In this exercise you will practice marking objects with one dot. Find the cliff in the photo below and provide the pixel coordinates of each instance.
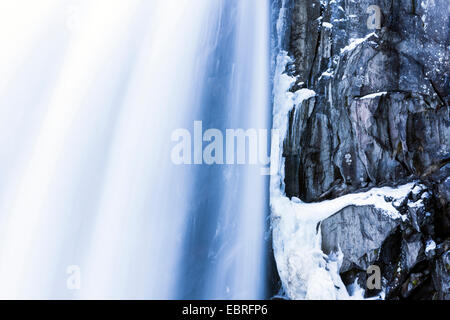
(380, 117)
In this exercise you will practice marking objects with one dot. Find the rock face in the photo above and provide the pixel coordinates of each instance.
(359, 233)
(381, 116)
(412, 265)
(441, 274)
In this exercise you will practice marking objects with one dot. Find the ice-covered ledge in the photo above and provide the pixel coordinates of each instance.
(305, 271)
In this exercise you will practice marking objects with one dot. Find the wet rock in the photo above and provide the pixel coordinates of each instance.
(441, 276)
(358, 232)
(380, 117)
(412, 251)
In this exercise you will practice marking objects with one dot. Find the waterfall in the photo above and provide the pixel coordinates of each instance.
(93, 92)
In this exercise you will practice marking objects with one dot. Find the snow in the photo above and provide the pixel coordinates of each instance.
(326, 74)
(416, 204)
(375, 197)
(431, 245)
(356, 291)
(417, 189)
(356, 42)
(327, 25)
(373, 95)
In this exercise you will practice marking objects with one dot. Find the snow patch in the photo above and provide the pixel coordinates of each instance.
(326, 74)
(373, 95)
(431, 245)
(356, 42)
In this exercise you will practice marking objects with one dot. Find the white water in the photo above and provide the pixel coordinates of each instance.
(89, 95)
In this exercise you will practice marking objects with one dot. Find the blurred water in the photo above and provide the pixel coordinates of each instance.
(89, 96)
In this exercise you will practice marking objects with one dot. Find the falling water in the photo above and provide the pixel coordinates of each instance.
(90, 94)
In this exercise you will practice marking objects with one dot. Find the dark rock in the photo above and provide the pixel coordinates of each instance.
(340, 141)
(305, 34)
(441, 276)
(359, 233)
(381, 116)
(413, 251)
(417, 286)
(442, 247)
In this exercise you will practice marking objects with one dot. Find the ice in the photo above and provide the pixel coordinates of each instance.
(297, 242)
(431, 245)
(356, 42)
(284, 102)
(373, 95)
